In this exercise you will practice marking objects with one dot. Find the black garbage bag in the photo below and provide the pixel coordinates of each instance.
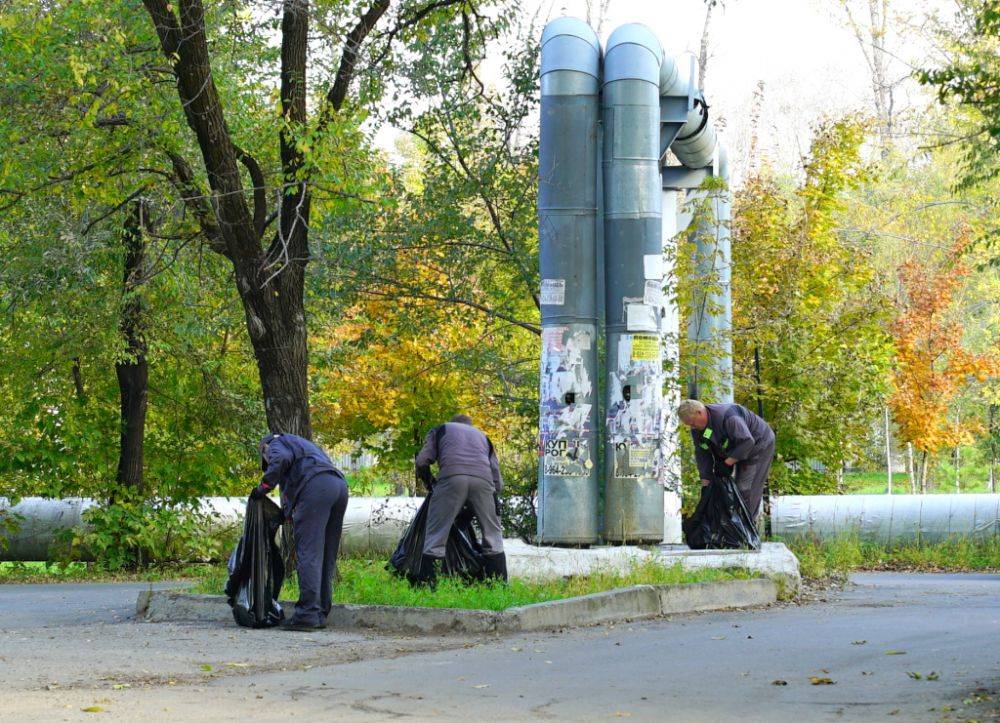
(463, 555)
(721, 520)
(256, 568)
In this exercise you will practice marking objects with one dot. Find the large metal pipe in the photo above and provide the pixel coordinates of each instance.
(887, 518)
(711, 315)
(633, 502)
(371, 524)
(567, 232)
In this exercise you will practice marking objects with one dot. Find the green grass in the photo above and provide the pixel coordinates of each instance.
(367, 582)
(840, 556)
(44, 572)
(973, 478)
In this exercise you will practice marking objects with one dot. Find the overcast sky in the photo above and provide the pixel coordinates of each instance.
(803, 51)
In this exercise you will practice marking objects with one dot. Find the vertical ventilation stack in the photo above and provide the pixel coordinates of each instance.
(567, 231)
(633, 280)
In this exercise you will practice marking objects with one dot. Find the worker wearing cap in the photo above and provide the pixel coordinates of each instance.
(314, 497)
(731, 437)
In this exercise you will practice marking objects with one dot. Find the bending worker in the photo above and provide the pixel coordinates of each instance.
(314, 496)
(736, 437)
(468, 472)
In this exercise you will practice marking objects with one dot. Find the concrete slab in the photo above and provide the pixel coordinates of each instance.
(774, 560)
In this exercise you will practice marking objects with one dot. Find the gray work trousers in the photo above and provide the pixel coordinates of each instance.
(318, 521)
(751, 474)
(447, 498)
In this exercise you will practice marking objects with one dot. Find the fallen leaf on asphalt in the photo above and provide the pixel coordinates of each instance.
(858, 642)
(121, 686)
(895, 652)
(718, 637)
(206, 667)
(894, 712)
(622, 714)
(238, 665)
(821, 681)
(779, 682)
(932, 676)
(516, 650)
(482, 685)
(914, 675)
(93, 709)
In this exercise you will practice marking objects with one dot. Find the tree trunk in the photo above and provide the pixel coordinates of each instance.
(993, 448)
(888, 453)
(911, 473)
(958, 481)
(924, 465)
(276, 321)
(132, 371)
(703, 49)
(81, 394)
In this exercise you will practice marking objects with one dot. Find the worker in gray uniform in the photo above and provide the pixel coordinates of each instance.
(734, 436)
(314, 497)
(468, 472)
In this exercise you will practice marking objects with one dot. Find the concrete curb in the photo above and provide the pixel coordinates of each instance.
(613, 606)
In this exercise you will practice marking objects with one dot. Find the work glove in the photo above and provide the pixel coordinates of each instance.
(258, 493)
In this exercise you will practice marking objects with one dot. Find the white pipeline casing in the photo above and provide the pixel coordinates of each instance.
(372, 524)
(887, 518)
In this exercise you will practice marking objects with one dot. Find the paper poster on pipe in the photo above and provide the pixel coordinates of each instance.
(640, 317)
(553, 292)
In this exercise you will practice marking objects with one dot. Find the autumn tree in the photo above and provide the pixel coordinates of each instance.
(808, 303)
(931, 364)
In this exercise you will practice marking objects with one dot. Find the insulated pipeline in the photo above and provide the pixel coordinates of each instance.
(567, 236)
(633, 251)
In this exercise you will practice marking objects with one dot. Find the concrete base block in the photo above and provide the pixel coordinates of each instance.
(532, 562)
(774, 560)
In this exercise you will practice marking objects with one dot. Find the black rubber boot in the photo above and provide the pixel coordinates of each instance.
(495, 566)
(301, 627)
(427, 574)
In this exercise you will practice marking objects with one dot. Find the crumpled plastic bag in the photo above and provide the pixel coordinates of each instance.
(463, 555)
(721, 520)
(256, 568)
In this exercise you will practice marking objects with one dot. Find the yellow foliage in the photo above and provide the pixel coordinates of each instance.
(931, 365)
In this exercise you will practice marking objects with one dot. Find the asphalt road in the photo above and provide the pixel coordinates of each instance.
(869, 641)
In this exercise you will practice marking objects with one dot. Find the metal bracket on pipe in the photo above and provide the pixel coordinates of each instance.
(682, 178)
(673, 116)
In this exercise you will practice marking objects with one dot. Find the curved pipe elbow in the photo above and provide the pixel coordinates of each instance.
(570, 44)
(696, 141)
(633, 52)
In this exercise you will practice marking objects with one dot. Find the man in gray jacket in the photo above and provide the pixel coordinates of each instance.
(468, 472)
(314, 495)
(727, 436)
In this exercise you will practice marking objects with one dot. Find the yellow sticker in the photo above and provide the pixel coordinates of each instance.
(645, 347)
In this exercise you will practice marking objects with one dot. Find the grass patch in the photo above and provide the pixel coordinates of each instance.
(367, 582)
(842, 555)
(48, 572)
